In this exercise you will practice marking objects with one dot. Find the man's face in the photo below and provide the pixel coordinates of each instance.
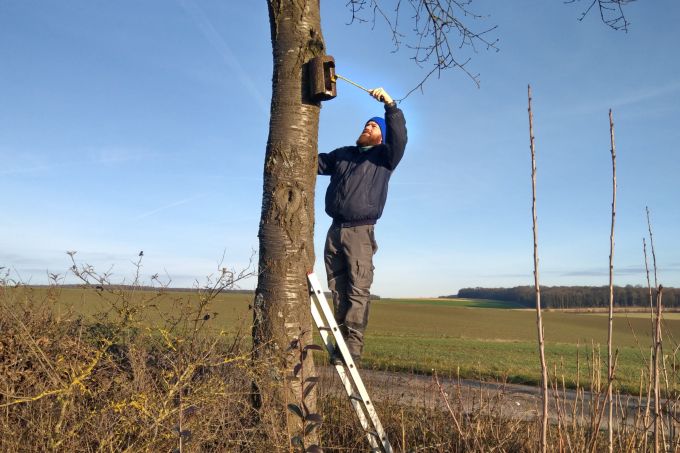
(371, 135)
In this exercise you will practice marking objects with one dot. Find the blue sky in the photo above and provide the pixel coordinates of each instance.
(128, 126)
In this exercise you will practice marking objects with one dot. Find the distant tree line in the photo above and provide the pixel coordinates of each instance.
(573, 296)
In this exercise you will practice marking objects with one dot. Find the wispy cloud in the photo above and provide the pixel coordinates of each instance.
(28, 169)
(168, 206)
(51, 258)
(222, 48)
(18, 163)
(637, 97)
(14, 259)
(528, 275)
(120, 155)
(647, 94)
(630, 270)
(623, 271)
(37, 162)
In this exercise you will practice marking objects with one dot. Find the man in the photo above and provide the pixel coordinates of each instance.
(355, 199)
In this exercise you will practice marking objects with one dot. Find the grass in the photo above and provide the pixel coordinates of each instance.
(640, 315)
(454, 338)
(515, 362)
(473, 338)
(231, 310)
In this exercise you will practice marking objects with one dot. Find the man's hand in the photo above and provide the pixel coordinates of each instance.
(381, 95)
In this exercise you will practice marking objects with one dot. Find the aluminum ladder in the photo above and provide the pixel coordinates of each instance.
(348, 372)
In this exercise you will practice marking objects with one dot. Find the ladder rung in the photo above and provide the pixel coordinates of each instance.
(325, 328)
(358, 398)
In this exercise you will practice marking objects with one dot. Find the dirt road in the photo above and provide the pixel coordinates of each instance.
(468, 396)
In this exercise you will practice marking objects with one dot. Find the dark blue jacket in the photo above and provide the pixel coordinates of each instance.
(359, 179)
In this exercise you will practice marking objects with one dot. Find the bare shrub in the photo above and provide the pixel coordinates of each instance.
(119, 383)
(132, 379)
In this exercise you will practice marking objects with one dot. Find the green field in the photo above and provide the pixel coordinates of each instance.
(637, 314)
(453, 337)
(472, 338)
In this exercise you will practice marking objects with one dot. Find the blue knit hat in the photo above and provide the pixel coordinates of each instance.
(383, 126)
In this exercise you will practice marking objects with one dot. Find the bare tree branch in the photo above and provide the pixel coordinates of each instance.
(611, 12)
(444, 33)
(441, 33)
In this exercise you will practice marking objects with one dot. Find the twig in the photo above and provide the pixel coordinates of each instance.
(539, 317)
(441, 34)
(445, 397)
(658, 429)
(651, 244)
(611, 13)
(600, 411)
(610, 364)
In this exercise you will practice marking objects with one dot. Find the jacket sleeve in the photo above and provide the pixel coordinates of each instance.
(396, 136)
(326, 163)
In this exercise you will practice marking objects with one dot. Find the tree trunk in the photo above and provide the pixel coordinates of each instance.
(281, 316)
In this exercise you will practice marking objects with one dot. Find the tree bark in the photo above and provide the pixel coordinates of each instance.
(286, 234)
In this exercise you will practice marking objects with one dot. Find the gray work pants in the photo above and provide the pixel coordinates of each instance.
(348, 256)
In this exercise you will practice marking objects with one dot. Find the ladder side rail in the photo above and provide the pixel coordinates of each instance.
(331, 323)
(346, 381)
(354, 373)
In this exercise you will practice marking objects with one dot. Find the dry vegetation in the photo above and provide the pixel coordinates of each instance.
(132, 378)
(117, 384)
